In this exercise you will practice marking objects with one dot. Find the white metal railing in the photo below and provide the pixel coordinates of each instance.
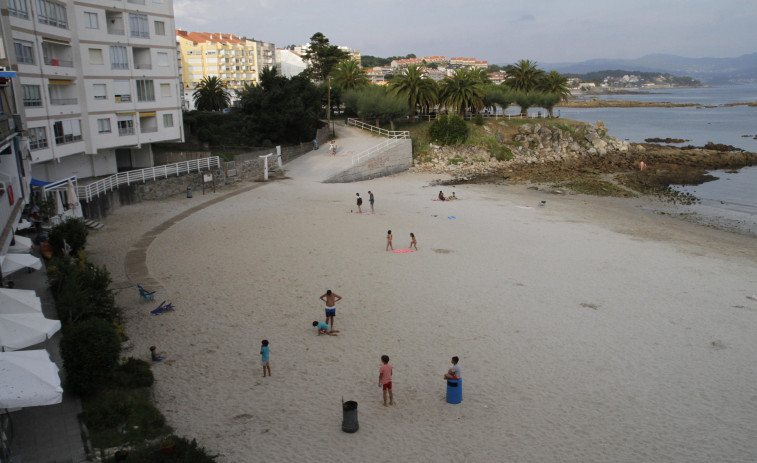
(358, 157)
(87, 192)
(378, 130)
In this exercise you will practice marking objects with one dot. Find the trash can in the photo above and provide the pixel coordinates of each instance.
(189, 192)
(349, 416)
(454, 391)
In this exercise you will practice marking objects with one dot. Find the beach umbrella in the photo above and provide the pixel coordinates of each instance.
(19, 301)
(14, 262)
(73, 199)
(28, 379)
(59, 209)
(24, 224)
(20, 330)
(21, 245)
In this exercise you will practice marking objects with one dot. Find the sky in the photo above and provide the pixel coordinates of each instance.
(498, 31)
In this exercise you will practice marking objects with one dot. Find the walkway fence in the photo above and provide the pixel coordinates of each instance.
(92, 190)
(393, 139)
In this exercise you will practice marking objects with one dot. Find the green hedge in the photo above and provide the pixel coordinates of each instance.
(90, 351)
(449, 129)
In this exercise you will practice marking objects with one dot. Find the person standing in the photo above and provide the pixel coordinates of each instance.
(385, 379)
(454, 372)
(389, 240)
(330, 299)
(413, 243)
(370, 199)
(265, 354)
(359, 203)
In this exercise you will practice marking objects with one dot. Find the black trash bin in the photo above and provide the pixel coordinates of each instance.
(349, 416)
(189, 192)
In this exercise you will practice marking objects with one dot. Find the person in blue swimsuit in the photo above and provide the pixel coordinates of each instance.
(370, 199)
(330, 299)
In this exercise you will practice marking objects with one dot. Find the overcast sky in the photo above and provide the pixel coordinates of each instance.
(499, 31)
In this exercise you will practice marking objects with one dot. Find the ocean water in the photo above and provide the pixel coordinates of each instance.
(733, 196)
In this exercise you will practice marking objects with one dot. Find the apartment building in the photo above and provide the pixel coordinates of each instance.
(233, 59)
(98, 80)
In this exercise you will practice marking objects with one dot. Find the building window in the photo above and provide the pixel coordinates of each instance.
(160, 28)
(119, 59)
(138, 25)
(100, 91)
(145, 90)
(52, 14)
(138, 2)
(103, 125)
(24, 52)
(67, 131)
(32, 95)
(18, 8)
(162, 58)
(167, 120)
(37, 138)
(90, 21)
(165, 90)
(125, 125)
(122, 91)
(95, 56)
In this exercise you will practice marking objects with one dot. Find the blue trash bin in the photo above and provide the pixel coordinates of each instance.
(454, 391)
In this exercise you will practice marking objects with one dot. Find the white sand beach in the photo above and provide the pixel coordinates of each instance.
(588, 330)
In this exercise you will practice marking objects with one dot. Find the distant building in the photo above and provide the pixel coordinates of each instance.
(289, 63)
(403, 63)
(435, 59)
(377, 74)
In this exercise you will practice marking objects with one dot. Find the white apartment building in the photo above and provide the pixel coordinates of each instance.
(98, 81)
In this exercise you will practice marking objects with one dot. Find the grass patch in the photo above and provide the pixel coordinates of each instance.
(456, 160)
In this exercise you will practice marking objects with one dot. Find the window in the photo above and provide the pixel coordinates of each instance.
(95, 56)
(52, 14)
(122, 91)
(165, 90)
(32, 95)
(24, 52)
(100, 91)
(138, 25)
(138, 2)
(145, 90)
(118, 57)
(103, 125)
(125, 125)
(167, 120)
(18, 8)
(90, 21)
(162, 58)
(160, 28)
(37, 138)
(67, 131)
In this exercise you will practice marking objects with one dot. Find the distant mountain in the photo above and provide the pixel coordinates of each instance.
(740, 70)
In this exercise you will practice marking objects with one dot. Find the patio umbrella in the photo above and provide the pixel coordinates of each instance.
(14, 262)
(19, 301)
(28, 379)
(73, 199)
(21, 245)
(59, 209)
(20, 330)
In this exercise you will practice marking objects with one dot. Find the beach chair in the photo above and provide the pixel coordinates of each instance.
(163, 308)
(144, 294)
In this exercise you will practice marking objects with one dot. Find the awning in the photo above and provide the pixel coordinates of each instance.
(7, 74)
(36, 182)
(147, 114)
(59, 42)
(59, 82)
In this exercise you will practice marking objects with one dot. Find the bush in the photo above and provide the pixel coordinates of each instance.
(479, 120)
(133, 373)
(73, 232)
(449, 129)
(185, 451)
(90, 352)
(81, 290)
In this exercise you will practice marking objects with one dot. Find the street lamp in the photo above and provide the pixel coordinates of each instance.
(328, 113)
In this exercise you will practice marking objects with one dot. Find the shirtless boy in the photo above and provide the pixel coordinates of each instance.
(330, 299)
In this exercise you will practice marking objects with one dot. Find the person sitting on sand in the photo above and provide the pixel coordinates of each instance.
(454, 372)
(452, 197)
(155, 355)
(441, 196)
(323, 328)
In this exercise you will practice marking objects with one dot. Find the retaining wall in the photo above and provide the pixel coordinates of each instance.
(395, 159)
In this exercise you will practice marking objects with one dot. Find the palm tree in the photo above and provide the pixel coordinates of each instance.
(464, 90)
(211, 94)
(414, 85)
(554, 82)
(523, 75)
(348, 75)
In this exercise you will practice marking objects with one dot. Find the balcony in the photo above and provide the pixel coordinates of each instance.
(58, 62)
(115, 22)
(66, 139)
(142, 66)
(141, 58)
(123, 131)
(122, 98)
(63, 101)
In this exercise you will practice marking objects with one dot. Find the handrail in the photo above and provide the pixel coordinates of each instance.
(358, 157)
(87, 192)
(378, 130)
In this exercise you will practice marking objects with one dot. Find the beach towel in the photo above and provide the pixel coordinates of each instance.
(452, 217)
(402, 250)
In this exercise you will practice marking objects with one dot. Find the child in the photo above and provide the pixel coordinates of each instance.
(155, 356)
(323, 328)
(385, 379)
(359, 203)
(454, 372)
(441, 196)
(264, 355)
(413, 244)
(389, 240)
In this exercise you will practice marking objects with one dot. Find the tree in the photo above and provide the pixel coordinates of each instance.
(322, 57)
(211, 94)
(464, 90)
(348, 75)
(375, 103)
(90, 352)
(547, 101)
(498, 95)
(448, 129)
(523, 75)
(554, 82)
(415, 87)
(525, 101)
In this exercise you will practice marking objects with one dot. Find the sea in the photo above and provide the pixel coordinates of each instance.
(731, 200)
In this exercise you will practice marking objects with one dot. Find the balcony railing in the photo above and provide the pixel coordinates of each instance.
(148, 129)
(116, 30)
(32, 103)
(59, 62)
(66, 139)
(143, 66)
(123, 131)
(123, 98)
(63, 101)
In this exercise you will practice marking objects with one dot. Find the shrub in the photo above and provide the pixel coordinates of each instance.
(81, 290)
(449, 129)
(90, 352)
(72, 232)
(185, 451)
(133, 373)
(479, 120)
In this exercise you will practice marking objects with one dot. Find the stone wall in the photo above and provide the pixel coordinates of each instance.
(396, 158)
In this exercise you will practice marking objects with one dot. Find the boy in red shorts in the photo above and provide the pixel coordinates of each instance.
(385, 379)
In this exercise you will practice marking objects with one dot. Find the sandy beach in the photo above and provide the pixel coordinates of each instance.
(588, 330)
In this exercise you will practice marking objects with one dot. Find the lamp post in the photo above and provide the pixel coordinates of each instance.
(328, 113)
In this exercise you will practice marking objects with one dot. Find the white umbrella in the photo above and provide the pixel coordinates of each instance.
(19, 301)
(20, 330)
(14, 262)
(21, 245)
(28, 379)
(59, 209)
(73, 199)
(24, 224)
